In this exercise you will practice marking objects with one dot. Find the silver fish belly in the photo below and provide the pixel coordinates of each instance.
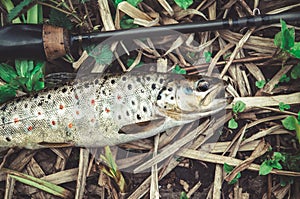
(95, 112)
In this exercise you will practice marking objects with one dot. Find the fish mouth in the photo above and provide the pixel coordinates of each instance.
(212, 94)
(215, 98)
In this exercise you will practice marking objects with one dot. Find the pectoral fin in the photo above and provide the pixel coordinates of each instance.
(55, 145)
(141, 127)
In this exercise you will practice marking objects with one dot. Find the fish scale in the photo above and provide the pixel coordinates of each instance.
(93, 112)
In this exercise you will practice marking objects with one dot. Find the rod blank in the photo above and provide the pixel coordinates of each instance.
(47, 42)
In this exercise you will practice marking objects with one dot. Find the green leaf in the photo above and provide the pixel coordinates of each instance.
(134, 2)
(283, 106)
(295, 50)
(238, 107)
(40, 184)
(235, 179)
(7, 92)
(284, 78)
(232, 124)
(276, 165)
(178, 70)
(58, 18)
(288, 38)
(265, 168)
(7, 73)
(20, 8)
(289, 123)
(130, 62)
(227, 168)
(184, 3)
(298, 116)
(295, 73)
(183, 195)
(277, 156)
(207, 56)
(260, 83)
(116, 2)
(102, 56)
(37, 76)
(127, 23)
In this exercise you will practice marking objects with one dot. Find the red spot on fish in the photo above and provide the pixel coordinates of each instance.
(16, 120)
(76, 97)
(107, 110)
(93, 120)
(53, 122)
(119, 97)
(93, 102)
(30, 128)
(77, 112)
(39, 113)
(70, 125)
(61, 106)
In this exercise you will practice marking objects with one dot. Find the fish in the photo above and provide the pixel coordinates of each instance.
(108, 109)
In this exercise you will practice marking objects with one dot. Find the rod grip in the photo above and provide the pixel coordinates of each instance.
(33, 41)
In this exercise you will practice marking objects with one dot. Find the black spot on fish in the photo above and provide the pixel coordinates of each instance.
(18, 99)
(40, 103)
(160, 92)
(96, 81)
(119, 117)
(25, 105)
(112, 81)
(172, 98)
(3, 108)
(129, 86)
(153, 86)
(142, 91)
(36, 95)
(138, 79)
(165, 107)
(148, 78)
(132, 102)
(144, 109)
(138, 117)
(8, 139)
(170, 89)
(49, 96)
(161, 81)
(56, 88)
(86, 85)
(127, 113)
(3, 119)
(124, 79)
(68, 133)
(64, 90)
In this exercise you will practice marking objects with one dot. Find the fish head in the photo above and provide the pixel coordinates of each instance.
(192, 95)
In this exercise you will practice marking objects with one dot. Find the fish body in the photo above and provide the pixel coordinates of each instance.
(97, 111)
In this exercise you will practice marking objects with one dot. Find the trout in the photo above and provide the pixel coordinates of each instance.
(108, 110)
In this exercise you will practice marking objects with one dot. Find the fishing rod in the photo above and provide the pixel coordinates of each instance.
(32, 41)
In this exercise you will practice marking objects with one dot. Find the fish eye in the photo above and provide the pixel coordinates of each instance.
(188, 90)
(202, 86)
